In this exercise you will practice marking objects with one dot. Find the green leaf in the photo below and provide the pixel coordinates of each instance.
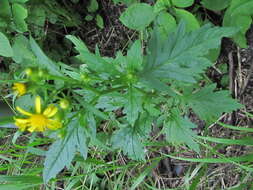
(182, 56)
(110, 102)
(215, 5)
(79, 45)
(178, 130)
(93, 6)
(127, 2)
(5, 10)
(141, 178)
(88, 17)
(209, 105)
(244, 158)
(18, 186)
(243, 142)
(21, 178)
(190, 20)
(183, 3)
(19, 16)
(62, 151)
(138, 16)
(22, 50)
(37, 18)
(129, 141)
(166, 24)
(43, 60)
(100, 21)
(3, 23)
(161, 5)
(26, 102)
(18, 1)
(239, 15)
(94, 62)
(5, 47)
(133, 105)
(135, 57)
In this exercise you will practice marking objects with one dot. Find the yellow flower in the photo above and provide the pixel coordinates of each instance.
(19, 88)
(39, 121)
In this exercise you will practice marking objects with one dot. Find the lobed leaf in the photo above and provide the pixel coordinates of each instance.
(208, 104)
(129, 141)
(182, 56)
(133, 105)
(43, 60)
(178, 130)
(62, 151)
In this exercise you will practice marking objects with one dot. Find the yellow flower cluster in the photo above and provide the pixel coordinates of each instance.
(40, 120)
(19, 88)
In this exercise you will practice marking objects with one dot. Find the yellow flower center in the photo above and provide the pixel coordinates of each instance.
(38, 120)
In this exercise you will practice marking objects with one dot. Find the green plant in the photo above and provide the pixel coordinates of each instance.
(237, 14)
(92, 8)
(113, 104)
(161, 86)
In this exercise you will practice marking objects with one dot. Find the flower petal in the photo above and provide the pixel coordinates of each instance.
(54, 124)
(21, 126)
(31, 129)
(38, 104)
(23, 111)
(50, 111)
(23, 121)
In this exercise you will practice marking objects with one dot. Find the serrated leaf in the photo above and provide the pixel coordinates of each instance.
(178, 130)
(59, 155)
(110, 102)
(144, 124)
(22, 51)
(135, 56)
(215, 5)
(19, 16)
(129, 141)
(95, 62)
(133, 105)
(43, 60)
(182, 3)
(190, 20)
(62, 151)
(209, 105)
(5, 47)
(182, 56)
(79, 45)
(138, 16)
